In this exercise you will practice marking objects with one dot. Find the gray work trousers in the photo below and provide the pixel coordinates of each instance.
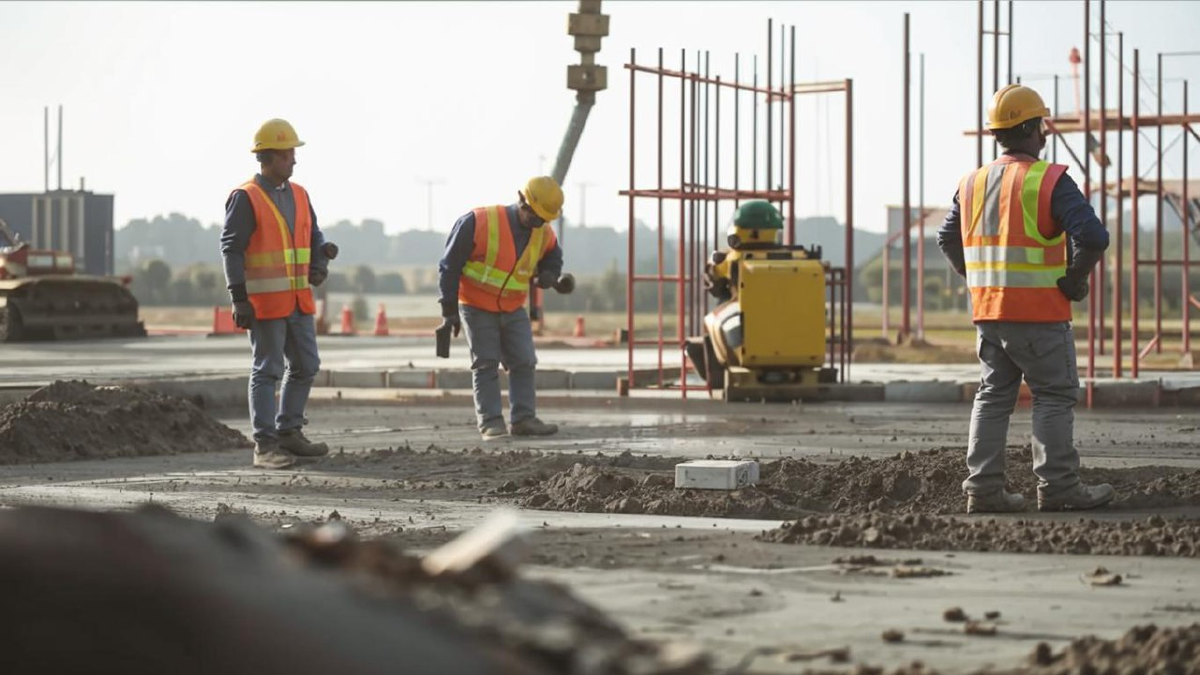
(1044, 353)
(283, 349)
(495, 338)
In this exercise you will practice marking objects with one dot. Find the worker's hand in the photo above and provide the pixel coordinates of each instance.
(243, 314)
(1075, 290)
(330, 250)
(452, 323)
(565, 284)
(317, 275)
(545, 280)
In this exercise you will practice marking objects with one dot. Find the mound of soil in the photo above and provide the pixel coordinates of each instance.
(1144, 649)
(927, 482)
(1155, 536)
(76, 420)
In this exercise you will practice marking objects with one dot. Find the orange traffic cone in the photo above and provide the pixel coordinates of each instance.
(579, 326)
(348, 321)
(381, 328)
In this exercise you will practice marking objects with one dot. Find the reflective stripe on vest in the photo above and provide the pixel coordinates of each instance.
(277, 259)
(1010, 242)
(491, 279)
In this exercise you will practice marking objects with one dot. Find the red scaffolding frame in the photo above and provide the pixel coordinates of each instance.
(700, 192)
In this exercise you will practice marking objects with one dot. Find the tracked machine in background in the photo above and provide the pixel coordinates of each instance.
(42, 298)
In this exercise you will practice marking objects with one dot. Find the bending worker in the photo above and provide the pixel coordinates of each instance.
(491, 257)
(1007, 233)
(273, 251)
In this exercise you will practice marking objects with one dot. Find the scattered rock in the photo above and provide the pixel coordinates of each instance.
(955, 614)
(893, 635)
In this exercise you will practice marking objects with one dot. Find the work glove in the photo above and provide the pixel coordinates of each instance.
(565, 284)
(545, 280)
(317, 275)
(243, 314)
(330, 250)
(450, 319)
(1074, 285)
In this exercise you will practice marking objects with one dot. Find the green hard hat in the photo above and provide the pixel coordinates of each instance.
(758, 215)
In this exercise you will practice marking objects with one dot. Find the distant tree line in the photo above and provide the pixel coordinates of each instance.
(201, 284)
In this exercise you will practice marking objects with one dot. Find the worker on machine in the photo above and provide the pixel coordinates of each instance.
(492, 256)
(1007, 233)
(273, 254)
(766, 337)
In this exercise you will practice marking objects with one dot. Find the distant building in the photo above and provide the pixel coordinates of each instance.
(77, 221)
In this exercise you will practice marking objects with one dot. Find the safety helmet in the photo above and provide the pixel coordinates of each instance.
(544, 196)
(1013, 105)
(276, 134)
(755, 222)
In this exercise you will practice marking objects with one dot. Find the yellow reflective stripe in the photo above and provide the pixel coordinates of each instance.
(476, 271)
(493, 245)
(1019, 267)
(273, 285)
(268, 259)
(1029, 203)
(1003, 278)
(1010, 254)
(286, 236)
(978, 197)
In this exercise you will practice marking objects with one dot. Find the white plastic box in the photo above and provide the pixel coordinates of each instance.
(715, 474)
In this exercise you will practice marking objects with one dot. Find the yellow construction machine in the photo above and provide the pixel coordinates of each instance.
(42, 298)
(766, 338)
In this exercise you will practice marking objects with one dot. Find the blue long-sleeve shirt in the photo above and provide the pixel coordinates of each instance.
(462, 241)
(240, 225)
(1068, 206)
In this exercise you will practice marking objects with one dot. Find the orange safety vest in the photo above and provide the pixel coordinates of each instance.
(277, 260)
(1014, 249)
(493, 279)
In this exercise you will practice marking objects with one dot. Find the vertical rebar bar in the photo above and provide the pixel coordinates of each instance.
(979, 90)
(660, 284)
(848, 303)
(1054, 140)
(770, 103)
(632, 186)
(737, 150)
(1158, 217)
(1134, 366)
(1010, 40)
(995, 61)
(681, 264)
(1103, 131)
(1119, 262)
(1185, 297)
(921, 197)
(754, 128)
(791, 103)
(906, 244)
(1087, 187)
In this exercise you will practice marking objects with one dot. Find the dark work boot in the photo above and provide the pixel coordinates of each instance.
(1000, 501)
(268, 455)
(1078, 497)
(294, 441)
(533, 427)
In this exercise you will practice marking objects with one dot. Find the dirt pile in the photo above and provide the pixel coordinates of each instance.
(76, 420)
(318, 601)
(1155, 536)
(1144, 649)
(926, 482)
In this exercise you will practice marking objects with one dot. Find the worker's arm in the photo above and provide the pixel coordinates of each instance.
(1076, 217)
(319, 261)
(458, 250)
(235, 237)
(949, 239)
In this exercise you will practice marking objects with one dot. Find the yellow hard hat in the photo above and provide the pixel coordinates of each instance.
(276, 134)
(1013, 105)
(544, 196)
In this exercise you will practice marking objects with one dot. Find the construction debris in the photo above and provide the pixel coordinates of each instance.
(71, 420)
(927, 482)
(1154, 537)
(179, 596)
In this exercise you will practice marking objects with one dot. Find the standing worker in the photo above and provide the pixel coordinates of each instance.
(1007, 234)
(492, 255)
(273, 252)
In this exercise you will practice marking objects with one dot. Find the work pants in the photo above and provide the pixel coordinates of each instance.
(1044, 354)
(283, 349)
(495, 338)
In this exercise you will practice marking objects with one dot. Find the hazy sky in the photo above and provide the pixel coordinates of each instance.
(162, 98)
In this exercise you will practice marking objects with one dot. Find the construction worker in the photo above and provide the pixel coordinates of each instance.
(492, 255)
(273, 253)
(1007, 233)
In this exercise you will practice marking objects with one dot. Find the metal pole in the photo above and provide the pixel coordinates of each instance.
(681, 263)
(791, 100)
(45, 149)
(1010, 40)
(737, 152)
(849, 301)
(1133, 236)
(1185, 297)
(1087, 188)
(1119, 262)
(631, 270)
(906, 256)
(754, 128)
(59, 157)
(1100, 275)
(1054, 141)
(770, 104)
(660, 284)
(921, 198)
(995, 61)
(1158, 219)
(978, 92)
